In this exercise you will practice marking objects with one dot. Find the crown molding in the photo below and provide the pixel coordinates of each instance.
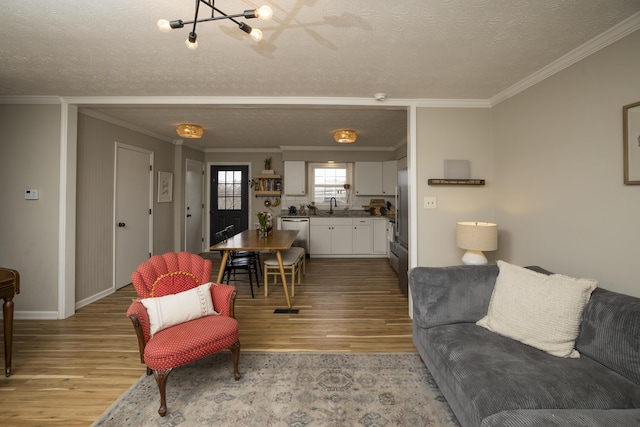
(599, 42)
(42, 100)
(109, 119)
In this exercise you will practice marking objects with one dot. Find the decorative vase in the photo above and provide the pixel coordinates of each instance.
(263, 232)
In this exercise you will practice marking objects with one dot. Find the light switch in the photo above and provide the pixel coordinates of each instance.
(31, 194)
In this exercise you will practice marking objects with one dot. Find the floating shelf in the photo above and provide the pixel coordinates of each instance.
(266, 185)
(266, 193)
(433, 181)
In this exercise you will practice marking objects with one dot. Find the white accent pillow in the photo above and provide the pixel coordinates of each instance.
(543, 311)
(171, 310)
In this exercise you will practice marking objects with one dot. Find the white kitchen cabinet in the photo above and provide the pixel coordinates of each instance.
(389, 177)
(376, 178)
(362, 235)
(295, 178)
(380, 236)
(331, 236)
(368, 180)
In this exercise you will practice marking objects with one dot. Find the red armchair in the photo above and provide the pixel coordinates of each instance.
(170, 274)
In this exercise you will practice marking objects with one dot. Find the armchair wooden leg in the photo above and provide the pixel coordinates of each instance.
(161, 378)
(235, 349)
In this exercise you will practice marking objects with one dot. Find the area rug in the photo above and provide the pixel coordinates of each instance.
(293, 390)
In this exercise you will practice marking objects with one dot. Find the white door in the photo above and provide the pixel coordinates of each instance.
(133, 198)
(194, 206)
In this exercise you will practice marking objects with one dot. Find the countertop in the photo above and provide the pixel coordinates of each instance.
(337, 213)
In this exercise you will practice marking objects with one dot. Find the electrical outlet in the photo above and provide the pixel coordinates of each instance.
(430, 203)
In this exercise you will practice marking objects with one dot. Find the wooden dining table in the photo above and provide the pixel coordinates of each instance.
(249, 240)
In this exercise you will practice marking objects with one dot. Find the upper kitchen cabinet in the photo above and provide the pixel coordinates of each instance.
(389, 177)
(295, 178)
(376, 178)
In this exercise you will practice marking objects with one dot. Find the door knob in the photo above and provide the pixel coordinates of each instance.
(121, 224)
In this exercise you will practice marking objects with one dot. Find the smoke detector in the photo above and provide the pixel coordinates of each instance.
(380, 96)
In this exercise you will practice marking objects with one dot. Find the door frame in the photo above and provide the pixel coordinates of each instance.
(119, 145)
(207, 231)
(186, 202)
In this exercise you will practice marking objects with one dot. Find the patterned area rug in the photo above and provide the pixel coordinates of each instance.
(289, 390)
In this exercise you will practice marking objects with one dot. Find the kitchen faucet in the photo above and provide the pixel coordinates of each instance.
(335, 203)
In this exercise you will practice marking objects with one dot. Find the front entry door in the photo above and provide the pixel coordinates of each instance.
(229, 198)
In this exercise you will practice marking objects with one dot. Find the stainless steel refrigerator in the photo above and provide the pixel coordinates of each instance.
(402, 229)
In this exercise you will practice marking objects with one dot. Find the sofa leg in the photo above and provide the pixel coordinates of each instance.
(161, 378)
(235, 349)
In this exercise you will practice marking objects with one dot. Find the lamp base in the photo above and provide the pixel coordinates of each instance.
(472, 257)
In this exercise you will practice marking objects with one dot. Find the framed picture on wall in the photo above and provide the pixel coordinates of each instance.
(631, 136)
(165, 187)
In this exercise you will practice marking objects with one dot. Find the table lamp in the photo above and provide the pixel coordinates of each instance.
(476, 237)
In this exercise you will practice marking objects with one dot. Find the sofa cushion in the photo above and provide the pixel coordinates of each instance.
(171, 310)
(487, 373)
(443, 295)
(565, 418)
(540, 310)
(610, 332)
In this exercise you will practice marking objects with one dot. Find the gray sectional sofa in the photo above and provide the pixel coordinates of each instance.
(491, 380)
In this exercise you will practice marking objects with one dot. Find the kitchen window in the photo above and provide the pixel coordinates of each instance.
(328, 180)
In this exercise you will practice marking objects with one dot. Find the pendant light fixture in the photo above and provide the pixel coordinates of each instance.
(264, 12)
(345, 136)
(188, 130)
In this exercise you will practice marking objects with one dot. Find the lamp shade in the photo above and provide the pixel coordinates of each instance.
(187, 130)
(345, 136)
(477, 236)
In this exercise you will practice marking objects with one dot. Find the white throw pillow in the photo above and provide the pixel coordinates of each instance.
(171, 310)
(543, 311)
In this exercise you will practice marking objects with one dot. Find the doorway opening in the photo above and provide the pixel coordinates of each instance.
(229, 198)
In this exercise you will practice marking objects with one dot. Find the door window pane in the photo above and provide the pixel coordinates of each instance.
(230, 190)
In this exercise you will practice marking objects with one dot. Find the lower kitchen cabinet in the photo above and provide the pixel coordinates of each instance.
(359, 236)
(330, 236)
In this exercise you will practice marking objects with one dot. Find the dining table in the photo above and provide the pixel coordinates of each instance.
(250, 240)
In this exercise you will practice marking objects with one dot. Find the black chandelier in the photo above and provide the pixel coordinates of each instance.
(263, 12)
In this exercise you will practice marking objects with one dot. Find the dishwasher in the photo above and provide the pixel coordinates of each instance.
(299, 223)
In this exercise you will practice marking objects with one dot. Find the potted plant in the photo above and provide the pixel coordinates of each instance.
(267, 163)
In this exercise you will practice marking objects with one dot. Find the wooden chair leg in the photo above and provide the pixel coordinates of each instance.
(161, 379)
(235, 349)
(265, 276)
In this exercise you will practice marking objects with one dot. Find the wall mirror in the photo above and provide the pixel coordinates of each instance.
(631, 133)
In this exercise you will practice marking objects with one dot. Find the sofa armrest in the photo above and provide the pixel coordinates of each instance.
(457, 294)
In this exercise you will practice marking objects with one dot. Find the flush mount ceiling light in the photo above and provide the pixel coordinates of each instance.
(345, 136)
(187, 130)
(264, 13)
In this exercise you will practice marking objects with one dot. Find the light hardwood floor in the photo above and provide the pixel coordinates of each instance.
(68, 372)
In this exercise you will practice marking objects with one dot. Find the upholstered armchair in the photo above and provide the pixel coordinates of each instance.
(180, 316)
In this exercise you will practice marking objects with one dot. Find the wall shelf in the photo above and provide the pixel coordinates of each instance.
(267, 185)
(434, 181)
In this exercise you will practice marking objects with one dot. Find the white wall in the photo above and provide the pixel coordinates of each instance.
(560, 198)
(457, 134)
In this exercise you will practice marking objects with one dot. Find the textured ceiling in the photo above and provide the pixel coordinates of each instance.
(421, 49)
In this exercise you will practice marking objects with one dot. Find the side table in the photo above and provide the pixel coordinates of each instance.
(9, 287)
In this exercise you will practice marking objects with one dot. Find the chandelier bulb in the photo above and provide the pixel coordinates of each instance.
(164, 25)
(264, 12)
(192, 42)
(256, 34)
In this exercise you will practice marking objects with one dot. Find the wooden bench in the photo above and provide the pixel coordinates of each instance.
(293, 262)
